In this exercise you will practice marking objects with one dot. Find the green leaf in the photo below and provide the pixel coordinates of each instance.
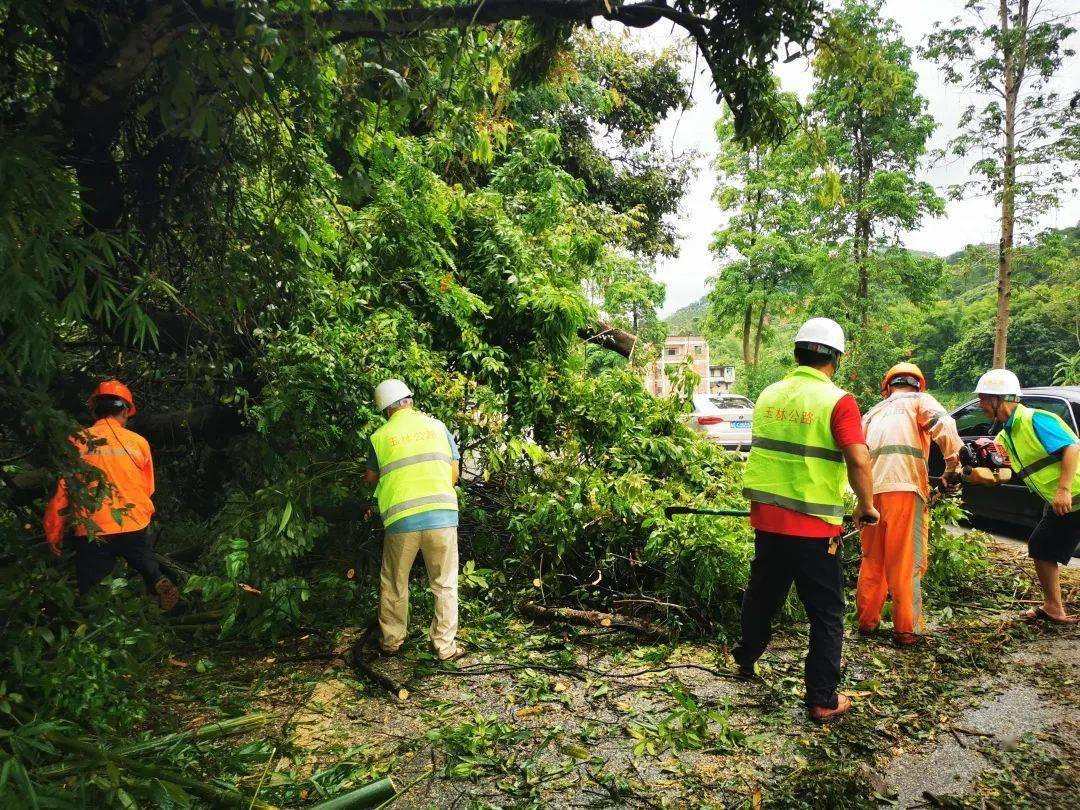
(285, 515)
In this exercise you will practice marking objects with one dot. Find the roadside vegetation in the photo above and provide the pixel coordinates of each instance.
(254, 212)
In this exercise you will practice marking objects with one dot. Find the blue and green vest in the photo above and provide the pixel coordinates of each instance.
(1039, 470)
(415, 466)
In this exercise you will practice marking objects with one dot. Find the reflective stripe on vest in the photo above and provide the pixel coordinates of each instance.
(415, 466)
(797, 449)
(1028, 458)
(794, 460)
(898, 449)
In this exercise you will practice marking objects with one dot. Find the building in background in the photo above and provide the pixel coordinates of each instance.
(676, 349)
(721, 378)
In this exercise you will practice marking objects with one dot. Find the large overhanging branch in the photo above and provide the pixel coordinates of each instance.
(397, 22)
(150, 38)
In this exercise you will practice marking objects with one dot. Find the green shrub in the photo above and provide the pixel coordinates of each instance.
(958, 562)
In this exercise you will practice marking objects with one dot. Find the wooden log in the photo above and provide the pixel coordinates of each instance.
(592, 618)
(370, 795)
(394, 687)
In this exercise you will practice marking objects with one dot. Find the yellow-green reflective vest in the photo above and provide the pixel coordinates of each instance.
(1029, 459)
(794, 460)
(414, 466)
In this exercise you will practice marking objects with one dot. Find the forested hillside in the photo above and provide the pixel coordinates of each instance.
(949, 332)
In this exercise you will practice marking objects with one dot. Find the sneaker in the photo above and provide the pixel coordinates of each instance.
(168, 595)
(822, 714)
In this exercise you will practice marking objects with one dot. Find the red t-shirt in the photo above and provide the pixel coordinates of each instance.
(847, 429)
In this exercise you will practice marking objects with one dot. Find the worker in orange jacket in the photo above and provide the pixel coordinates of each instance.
(117, 526)
(899, 430)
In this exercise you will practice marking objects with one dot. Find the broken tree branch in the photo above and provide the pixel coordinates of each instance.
(592, 618)
(609, 337)
(394, 687)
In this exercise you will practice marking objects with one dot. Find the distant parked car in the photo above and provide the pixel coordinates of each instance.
(724, 419)
(1011, 502)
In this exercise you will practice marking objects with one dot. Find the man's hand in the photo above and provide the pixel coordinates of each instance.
(1062, 502)
(1070, 459)
(864, 514)
(950, 479)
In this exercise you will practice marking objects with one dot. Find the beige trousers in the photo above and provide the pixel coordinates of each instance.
(440, 552)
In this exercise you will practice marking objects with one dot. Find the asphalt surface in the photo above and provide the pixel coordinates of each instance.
(1012, 536)
(1015, 537)
(950, 764)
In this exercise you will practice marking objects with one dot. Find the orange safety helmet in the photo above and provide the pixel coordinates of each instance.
(113, 388)
(902, 370)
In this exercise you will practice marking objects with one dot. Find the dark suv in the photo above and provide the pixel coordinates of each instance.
(1011, 502)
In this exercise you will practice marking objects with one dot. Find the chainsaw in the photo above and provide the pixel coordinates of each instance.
(982, 461)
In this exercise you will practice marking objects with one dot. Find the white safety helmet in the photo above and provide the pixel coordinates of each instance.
(821, 332)
(390, 391)
(998, 382)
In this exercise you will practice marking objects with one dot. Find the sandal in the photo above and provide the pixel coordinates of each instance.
(822, 714)
(1040, 615)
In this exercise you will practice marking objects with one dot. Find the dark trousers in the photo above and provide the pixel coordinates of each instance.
(779, 560)
(94, 559)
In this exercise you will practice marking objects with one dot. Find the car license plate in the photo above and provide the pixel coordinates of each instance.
(740, 425)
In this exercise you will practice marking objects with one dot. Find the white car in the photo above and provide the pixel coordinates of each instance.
(724, 418)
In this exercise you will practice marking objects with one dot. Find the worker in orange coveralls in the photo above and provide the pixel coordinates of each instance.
(119, 523)
(894, 550)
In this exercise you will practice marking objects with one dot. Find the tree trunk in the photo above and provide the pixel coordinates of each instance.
(748, 314)
(862, 234)
(863, 228)
(1008, 191)
(757, 333)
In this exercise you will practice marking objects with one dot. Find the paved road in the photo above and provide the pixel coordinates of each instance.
(1011, 536)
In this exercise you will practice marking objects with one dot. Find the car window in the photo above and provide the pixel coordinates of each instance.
(970, 421)
(703, 403)
(731, 402)
(1052, 404)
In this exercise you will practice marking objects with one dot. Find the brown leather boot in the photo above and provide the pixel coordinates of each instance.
(167, 593)
(821, 714)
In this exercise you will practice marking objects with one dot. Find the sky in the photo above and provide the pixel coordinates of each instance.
(965, 222)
